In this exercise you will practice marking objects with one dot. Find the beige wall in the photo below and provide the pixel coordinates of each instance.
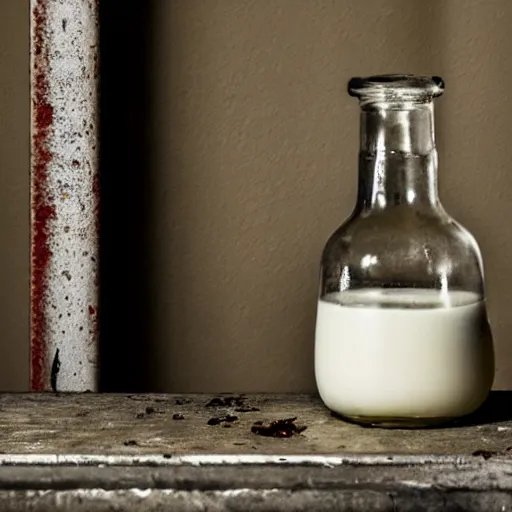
(252, 163)
(14, 194)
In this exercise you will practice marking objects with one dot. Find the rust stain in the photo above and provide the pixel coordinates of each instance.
(43, 210)
(92, 310)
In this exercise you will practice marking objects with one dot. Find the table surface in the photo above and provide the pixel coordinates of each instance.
(205, 452)
(148, 425)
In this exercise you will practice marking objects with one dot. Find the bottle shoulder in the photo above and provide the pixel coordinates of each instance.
(406, 248)
(400, 230)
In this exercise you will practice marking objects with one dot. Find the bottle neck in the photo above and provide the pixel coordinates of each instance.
(398, 157)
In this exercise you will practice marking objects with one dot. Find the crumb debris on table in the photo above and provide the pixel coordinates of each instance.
(229, 418)
(278, 428)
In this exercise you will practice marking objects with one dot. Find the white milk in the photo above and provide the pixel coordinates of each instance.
(403, 353)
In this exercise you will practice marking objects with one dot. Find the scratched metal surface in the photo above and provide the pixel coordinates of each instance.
(85, 452)
(64, 195)
(483, 486)
(88, 452)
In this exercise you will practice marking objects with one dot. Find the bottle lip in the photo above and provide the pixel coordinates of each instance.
(396, 88)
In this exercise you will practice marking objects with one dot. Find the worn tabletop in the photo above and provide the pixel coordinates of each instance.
(221, 452)
(139, 425)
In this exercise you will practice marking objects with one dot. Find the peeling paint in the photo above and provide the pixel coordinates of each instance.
(55, 371)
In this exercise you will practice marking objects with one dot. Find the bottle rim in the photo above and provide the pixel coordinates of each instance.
(396, 88)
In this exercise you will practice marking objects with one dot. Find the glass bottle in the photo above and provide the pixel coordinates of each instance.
(402, 336)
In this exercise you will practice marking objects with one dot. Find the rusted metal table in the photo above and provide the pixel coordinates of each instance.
(202, 452)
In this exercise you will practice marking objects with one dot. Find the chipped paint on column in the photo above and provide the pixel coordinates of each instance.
(64, 195)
